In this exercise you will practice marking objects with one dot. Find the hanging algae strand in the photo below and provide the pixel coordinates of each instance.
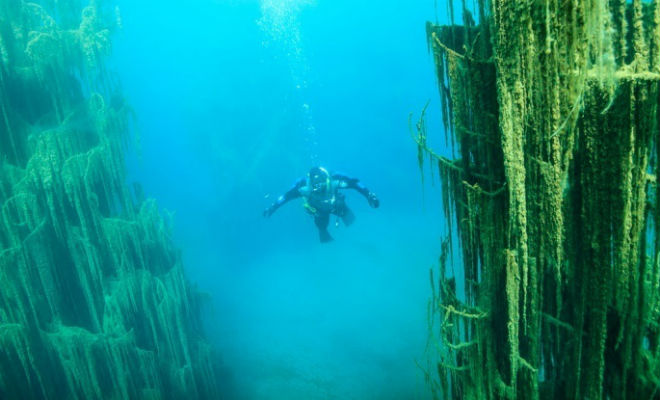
(94, 303)
(552, 108)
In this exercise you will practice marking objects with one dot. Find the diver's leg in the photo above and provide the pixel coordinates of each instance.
(321, 221)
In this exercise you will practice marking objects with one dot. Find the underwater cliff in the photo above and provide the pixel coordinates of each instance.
(93, 299)
(552, 190)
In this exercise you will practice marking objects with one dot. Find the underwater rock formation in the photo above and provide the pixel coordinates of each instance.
(93, 301)
(552, 193)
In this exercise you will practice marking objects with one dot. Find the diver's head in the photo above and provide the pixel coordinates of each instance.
(319, 179)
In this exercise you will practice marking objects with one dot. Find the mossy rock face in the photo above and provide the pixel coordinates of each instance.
(553, 112)
(94, 303)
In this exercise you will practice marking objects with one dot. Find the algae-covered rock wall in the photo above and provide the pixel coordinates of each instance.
(93, 300)
(553, 112)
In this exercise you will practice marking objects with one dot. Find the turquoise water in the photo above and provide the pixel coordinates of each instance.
(237, 99)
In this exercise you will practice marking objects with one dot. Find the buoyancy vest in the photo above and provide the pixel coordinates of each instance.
(320, 201)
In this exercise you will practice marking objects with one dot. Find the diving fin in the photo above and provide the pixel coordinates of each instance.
(324, 235)
(348, 217)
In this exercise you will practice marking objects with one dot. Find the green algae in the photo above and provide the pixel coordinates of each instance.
(553, 109)
(94, 303)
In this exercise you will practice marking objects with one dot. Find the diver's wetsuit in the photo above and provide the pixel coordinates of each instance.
(321, 204)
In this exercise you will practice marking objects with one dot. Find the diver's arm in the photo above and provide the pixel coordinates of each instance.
(289, 195)
(354, 183)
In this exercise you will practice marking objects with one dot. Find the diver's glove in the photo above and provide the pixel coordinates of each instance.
(269, 211)
(373, 200)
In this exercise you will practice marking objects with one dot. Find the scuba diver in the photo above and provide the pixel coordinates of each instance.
(320, 191)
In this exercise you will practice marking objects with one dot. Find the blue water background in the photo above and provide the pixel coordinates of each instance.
(235, 100)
